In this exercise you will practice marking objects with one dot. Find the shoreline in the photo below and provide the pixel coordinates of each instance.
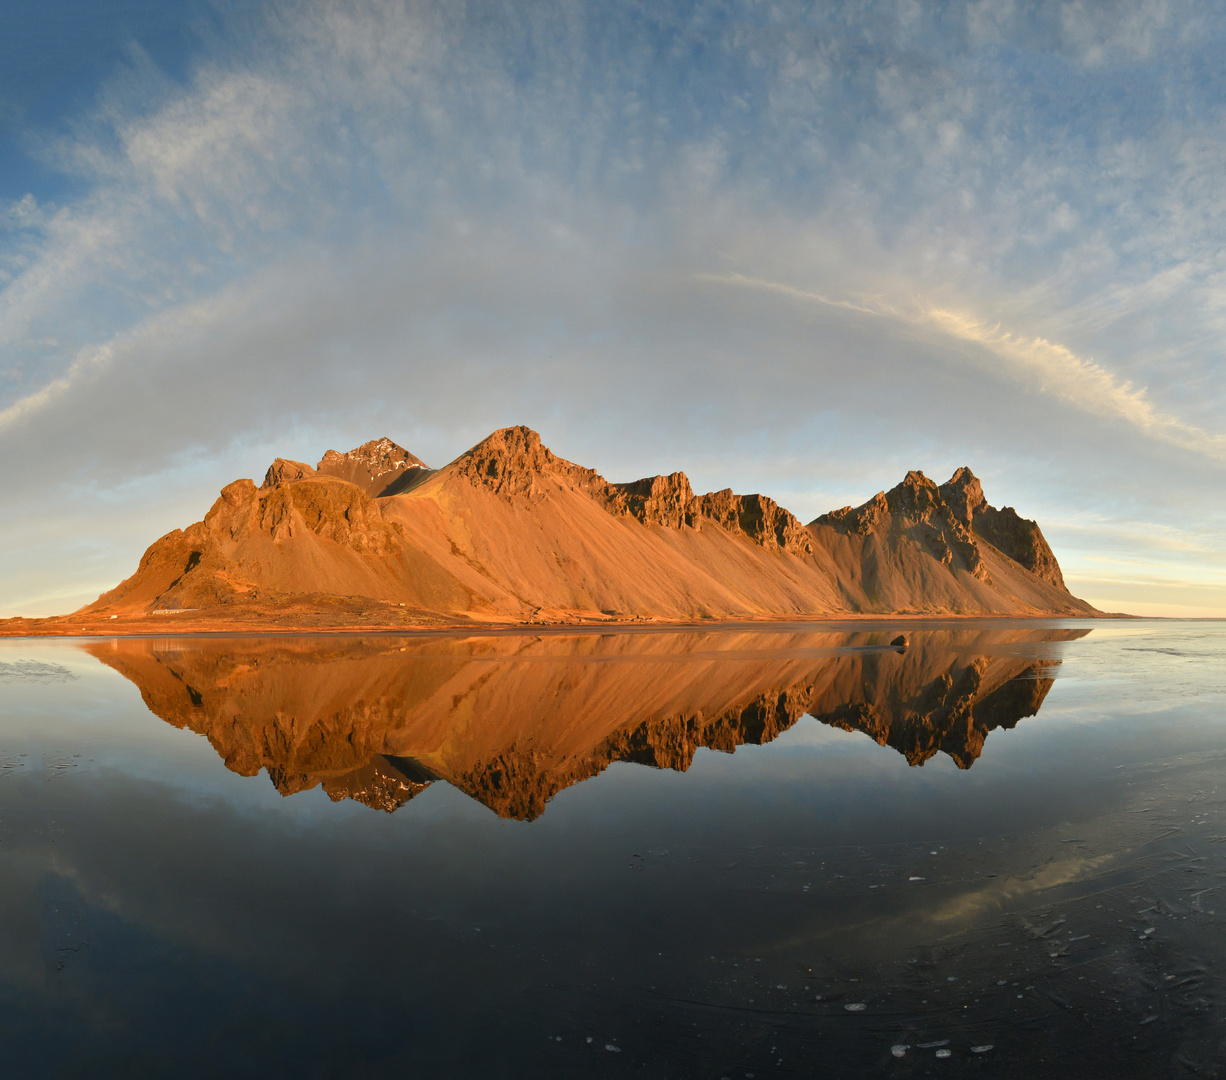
(169, 626)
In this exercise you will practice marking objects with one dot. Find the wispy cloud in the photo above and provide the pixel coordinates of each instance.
(1044, 366)
(90, 361)
(1078, 381)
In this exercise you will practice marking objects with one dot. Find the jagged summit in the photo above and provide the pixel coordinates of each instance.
(952, 523)
(963, 494)
(509, 532)
(1006, 530)
(380, 467)
(913, 515)
(512, 460)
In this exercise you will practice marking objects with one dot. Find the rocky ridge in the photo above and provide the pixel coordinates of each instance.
(510, 532)
(512, 461)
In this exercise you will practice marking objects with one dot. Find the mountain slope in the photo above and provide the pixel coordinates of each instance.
(509, 532)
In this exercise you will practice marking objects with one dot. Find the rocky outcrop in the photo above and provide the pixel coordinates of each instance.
(670, 501)
(336, 511)
(513, 463)
(384, 783)
(963, 494)
(657, 500)
(284, 471)
(763, 520)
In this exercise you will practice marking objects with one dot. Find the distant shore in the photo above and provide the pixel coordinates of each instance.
(164, 625)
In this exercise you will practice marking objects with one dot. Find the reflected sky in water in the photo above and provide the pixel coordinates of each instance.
(298, 857)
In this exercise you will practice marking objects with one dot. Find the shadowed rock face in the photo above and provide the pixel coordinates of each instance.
(1018, 537)
(513, 720)
(917, 510)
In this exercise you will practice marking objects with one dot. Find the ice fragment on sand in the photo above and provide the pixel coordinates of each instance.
(944, 1053)
(899, 1049)
(857, 1006)
(981, 1049)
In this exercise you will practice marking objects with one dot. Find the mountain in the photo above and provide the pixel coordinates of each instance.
(511, 533)
(920, 547)
(511, 720)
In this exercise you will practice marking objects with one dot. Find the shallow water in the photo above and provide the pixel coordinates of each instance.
(791, 852)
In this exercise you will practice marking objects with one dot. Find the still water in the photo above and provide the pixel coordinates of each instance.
(740, 854)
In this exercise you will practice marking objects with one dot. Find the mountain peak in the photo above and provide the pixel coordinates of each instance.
(380, 467)
(915, 496)
(285, 471)
(380, 455)
(963, 494)
(510, 461)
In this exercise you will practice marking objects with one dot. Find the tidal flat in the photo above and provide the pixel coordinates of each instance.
(745, 853)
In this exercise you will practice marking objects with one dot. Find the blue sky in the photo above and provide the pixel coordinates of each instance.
(789, 248)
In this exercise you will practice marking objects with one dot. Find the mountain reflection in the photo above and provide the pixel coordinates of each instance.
(512, 720)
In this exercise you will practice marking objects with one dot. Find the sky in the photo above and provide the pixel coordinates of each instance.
(789, 248)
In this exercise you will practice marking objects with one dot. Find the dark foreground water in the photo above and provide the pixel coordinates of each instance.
(787, 853)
